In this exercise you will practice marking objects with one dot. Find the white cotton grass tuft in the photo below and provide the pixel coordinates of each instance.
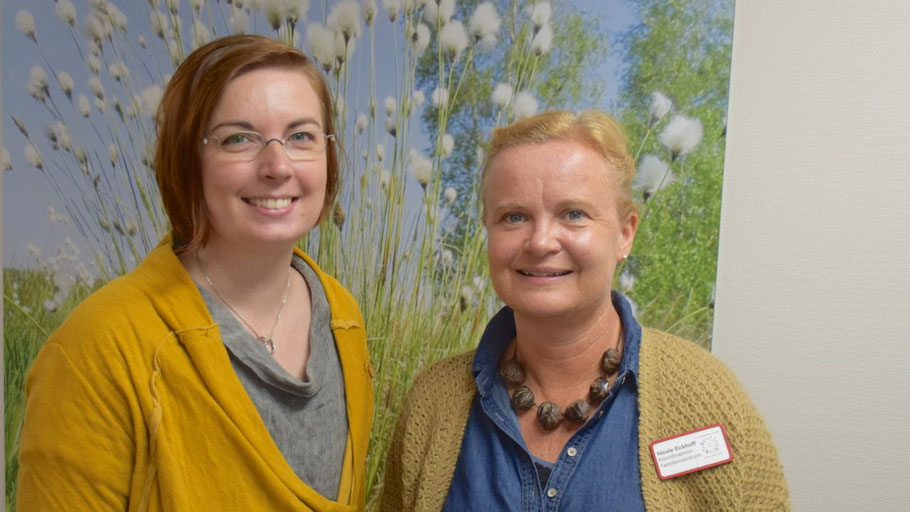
(66, 83)
(100, 106)
(26, 23)
(273, 10)
(369, 11)
(450, 195)
(345, 19)
(438, 12)
(158, 23)
(391, 125)
(626, 280)
(33, 156)
(5, 163)
(117, 18)
(173, 6)
(420, 39)
(681, 135)
(390, 106)
(660, 107)
(447, 258)
(95, 29)
(84, 106)
(196, 5)
(421, 168)
(540, 15)
(525, 105)
(448, 145)
(94, 64)
(439, 97)
(94, 85)
(417, 99)
(112, 153)
(361, 123)
(344, 48)
(543, 40)
(321, 42)
(484, 22)
(201, 34)
(149, 100)
(391, 8)
(118, 70)
(385, 178)
(380, 152)
(653, 174)
(295, 10)
(67, 12)
(502, 95)
(59, 136)
(240, 21)
(37, 83)
(454, 38)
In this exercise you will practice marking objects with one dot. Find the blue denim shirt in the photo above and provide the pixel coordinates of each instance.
(598, 468)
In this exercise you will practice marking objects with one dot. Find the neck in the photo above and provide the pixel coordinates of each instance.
(242, 274)
(559, 356)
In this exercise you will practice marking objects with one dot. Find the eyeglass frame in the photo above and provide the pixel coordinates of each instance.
(265, 142)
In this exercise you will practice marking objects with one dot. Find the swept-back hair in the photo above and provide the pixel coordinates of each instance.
(594, 128)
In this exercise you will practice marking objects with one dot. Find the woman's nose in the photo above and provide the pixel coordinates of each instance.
(544, 238)
(274, 162)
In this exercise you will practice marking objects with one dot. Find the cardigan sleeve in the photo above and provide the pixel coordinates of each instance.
(424, 448)
(764, 487)
(77, 449)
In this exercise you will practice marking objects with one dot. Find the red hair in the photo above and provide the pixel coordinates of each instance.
(185, 109)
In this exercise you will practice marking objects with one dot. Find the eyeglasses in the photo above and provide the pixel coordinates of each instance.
(302, 145)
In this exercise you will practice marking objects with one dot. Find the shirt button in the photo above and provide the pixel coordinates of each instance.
(572, 451)
(551, 492)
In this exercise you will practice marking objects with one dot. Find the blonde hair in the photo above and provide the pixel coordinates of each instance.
(594, 128)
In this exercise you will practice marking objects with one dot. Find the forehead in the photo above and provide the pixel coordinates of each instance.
(547, 164)
(266, 93)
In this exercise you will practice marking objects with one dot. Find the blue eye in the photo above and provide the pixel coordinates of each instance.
(575, 215)
(302, 137)
(235, 138)
(513, 218)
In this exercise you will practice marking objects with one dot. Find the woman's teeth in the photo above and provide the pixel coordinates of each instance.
(271, 204)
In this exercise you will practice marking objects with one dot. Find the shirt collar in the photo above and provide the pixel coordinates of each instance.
(501, 330)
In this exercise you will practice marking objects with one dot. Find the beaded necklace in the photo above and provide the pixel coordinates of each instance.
(549, 414)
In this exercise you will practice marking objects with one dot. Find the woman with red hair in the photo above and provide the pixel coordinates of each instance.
(227, 371)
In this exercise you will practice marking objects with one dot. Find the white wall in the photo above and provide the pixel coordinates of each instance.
(813, 294)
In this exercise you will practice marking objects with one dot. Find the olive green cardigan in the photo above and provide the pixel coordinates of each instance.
(681, 387)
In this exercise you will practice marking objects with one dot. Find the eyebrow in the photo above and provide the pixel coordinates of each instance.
(246, 125)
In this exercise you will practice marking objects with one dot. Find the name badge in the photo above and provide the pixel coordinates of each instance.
(691, 451)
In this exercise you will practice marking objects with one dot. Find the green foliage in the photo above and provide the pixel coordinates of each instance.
(681, 49)
(556, 78)
(29, 314)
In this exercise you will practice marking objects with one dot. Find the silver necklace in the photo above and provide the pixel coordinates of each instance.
(265, 341)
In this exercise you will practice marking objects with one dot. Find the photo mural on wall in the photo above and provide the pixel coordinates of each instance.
(418, 86)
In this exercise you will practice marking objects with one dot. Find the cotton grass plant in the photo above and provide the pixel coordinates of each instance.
(395, 238)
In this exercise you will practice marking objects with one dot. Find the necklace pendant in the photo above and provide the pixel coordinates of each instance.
(267, 343)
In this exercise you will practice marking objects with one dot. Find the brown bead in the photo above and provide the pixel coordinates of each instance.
(512, 372)
(522, 398)
(578, 412)
(549, 415)
(610, 361)
(599, 389)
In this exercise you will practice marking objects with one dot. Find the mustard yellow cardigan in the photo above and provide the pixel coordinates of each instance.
(132, 404)
(681, 388)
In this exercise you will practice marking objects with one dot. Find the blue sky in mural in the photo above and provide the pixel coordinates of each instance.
(27, 194)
